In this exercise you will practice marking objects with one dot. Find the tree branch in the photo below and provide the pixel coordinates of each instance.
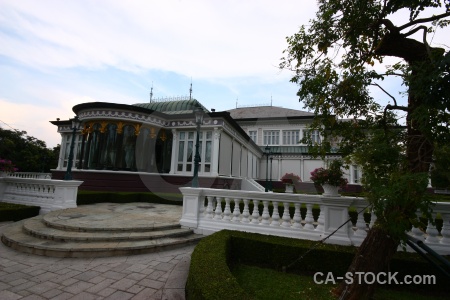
(425, 28)
(393, 98)
(426, 20)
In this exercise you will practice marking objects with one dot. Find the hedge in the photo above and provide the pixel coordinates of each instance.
(210, 276)
(16, 212)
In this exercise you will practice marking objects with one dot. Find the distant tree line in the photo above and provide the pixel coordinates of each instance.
(27, 153)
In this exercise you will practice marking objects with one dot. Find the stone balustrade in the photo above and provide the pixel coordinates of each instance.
(31, 175)
(47, 193)
(203, 212)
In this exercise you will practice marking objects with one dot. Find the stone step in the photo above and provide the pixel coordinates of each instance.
(74, 220)
(16, 237)
(37, 228)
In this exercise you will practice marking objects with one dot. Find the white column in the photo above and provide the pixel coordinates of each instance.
(302, 169)
(173, 162)
(215, 151)
(62, 152)
(280, 168)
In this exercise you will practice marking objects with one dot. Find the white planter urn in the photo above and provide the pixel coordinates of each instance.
(289, 188)
(330, 190)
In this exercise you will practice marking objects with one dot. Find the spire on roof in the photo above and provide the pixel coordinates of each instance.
(151, 93)
(190, 91)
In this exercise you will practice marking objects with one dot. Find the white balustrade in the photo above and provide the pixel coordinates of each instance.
(47, 193)
(29, 175)
(205, 218)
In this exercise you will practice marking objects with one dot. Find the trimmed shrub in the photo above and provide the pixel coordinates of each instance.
(210, 276)
(16, 212)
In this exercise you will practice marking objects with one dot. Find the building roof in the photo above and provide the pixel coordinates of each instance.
(266, 112)
(172, 107)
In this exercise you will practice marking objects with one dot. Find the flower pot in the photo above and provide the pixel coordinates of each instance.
(289, 188)
(330, 190)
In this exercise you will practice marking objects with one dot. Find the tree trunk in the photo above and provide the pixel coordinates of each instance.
(373, 256)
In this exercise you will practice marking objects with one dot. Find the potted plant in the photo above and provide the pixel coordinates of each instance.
(330, 178)
(289, 180)
(6, 167)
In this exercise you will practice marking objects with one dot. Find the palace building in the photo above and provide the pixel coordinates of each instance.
(151, 146)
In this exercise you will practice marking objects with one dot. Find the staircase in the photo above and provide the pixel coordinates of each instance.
(100, 230)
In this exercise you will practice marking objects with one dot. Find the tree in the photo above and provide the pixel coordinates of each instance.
(27, 153)
(337, 59)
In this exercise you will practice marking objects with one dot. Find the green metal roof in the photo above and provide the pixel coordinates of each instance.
(173, 106)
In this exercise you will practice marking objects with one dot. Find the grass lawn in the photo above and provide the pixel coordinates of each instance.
(263, 283)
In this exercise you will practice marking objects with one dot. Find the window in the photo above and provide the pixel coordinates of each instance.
(252, 134)
(291, 137)
(186, 151)
(271, 137)
(355, 174)
(314, 134)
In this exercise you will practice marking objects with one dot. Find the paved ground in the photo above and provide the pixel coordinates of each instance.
(160, 275)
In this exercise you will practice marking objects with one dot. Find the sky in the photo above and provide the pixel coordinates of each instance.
(56, 54)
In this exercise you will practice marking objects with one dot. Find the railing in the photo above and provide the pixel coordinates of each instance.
(248, 184)
(202, 213)
(47, 193)
(33, 175)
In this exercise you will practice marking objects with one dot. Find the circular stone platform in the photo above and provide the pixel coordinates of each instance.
(115, 217)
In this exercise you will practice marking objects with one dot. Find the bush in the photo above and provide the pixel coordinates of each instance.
(17, 212)
(210, 276)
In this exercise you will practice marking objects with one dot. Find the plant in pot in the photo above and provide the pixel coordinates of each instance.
(289, 180)
(331, 178)
(6, 167)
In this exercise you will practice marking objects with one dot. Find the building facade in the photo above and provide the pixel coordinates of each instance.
(159, 138)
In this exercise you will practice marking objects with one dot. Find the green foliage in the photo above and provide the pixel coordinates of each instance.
(27, 153)
(210, 275)
(440, 175)
(17, 212)
(337, 58)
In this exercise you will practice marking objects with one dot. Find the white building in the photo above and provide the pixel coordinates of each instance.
(159, 138)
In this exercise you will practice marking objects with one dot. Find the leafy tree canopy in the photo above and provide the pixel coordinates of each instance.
(337, 60)
(27, 153)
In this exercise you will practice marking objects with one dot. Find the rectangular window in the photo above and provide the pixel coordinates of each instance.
(315, 136)
(252, 134)
(186, 151)
(271, 137)
(355, 174)
(291, 137)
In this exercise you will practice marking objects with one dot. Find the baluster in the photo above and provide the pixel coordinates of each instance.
(297, 216)
(309, 219)
(202, 206)
(320, 219)
(432, 232)
(255, 214)
(227, 211)
(275, 215)
(373, 218)
(416, 231)
(445, 231)
(286, 217)
(218, 210)
(361, 225)
(236, 212)
(245, 212)
(209, 208)
(265, 215)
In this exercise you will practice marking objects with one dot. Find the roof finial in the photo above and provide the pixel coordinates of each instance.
(236, 102)
(151, 93)
(270, 99)
(190, 91)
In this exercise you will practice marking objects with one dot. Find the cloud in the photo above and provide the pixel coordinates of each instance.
(196, 38)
